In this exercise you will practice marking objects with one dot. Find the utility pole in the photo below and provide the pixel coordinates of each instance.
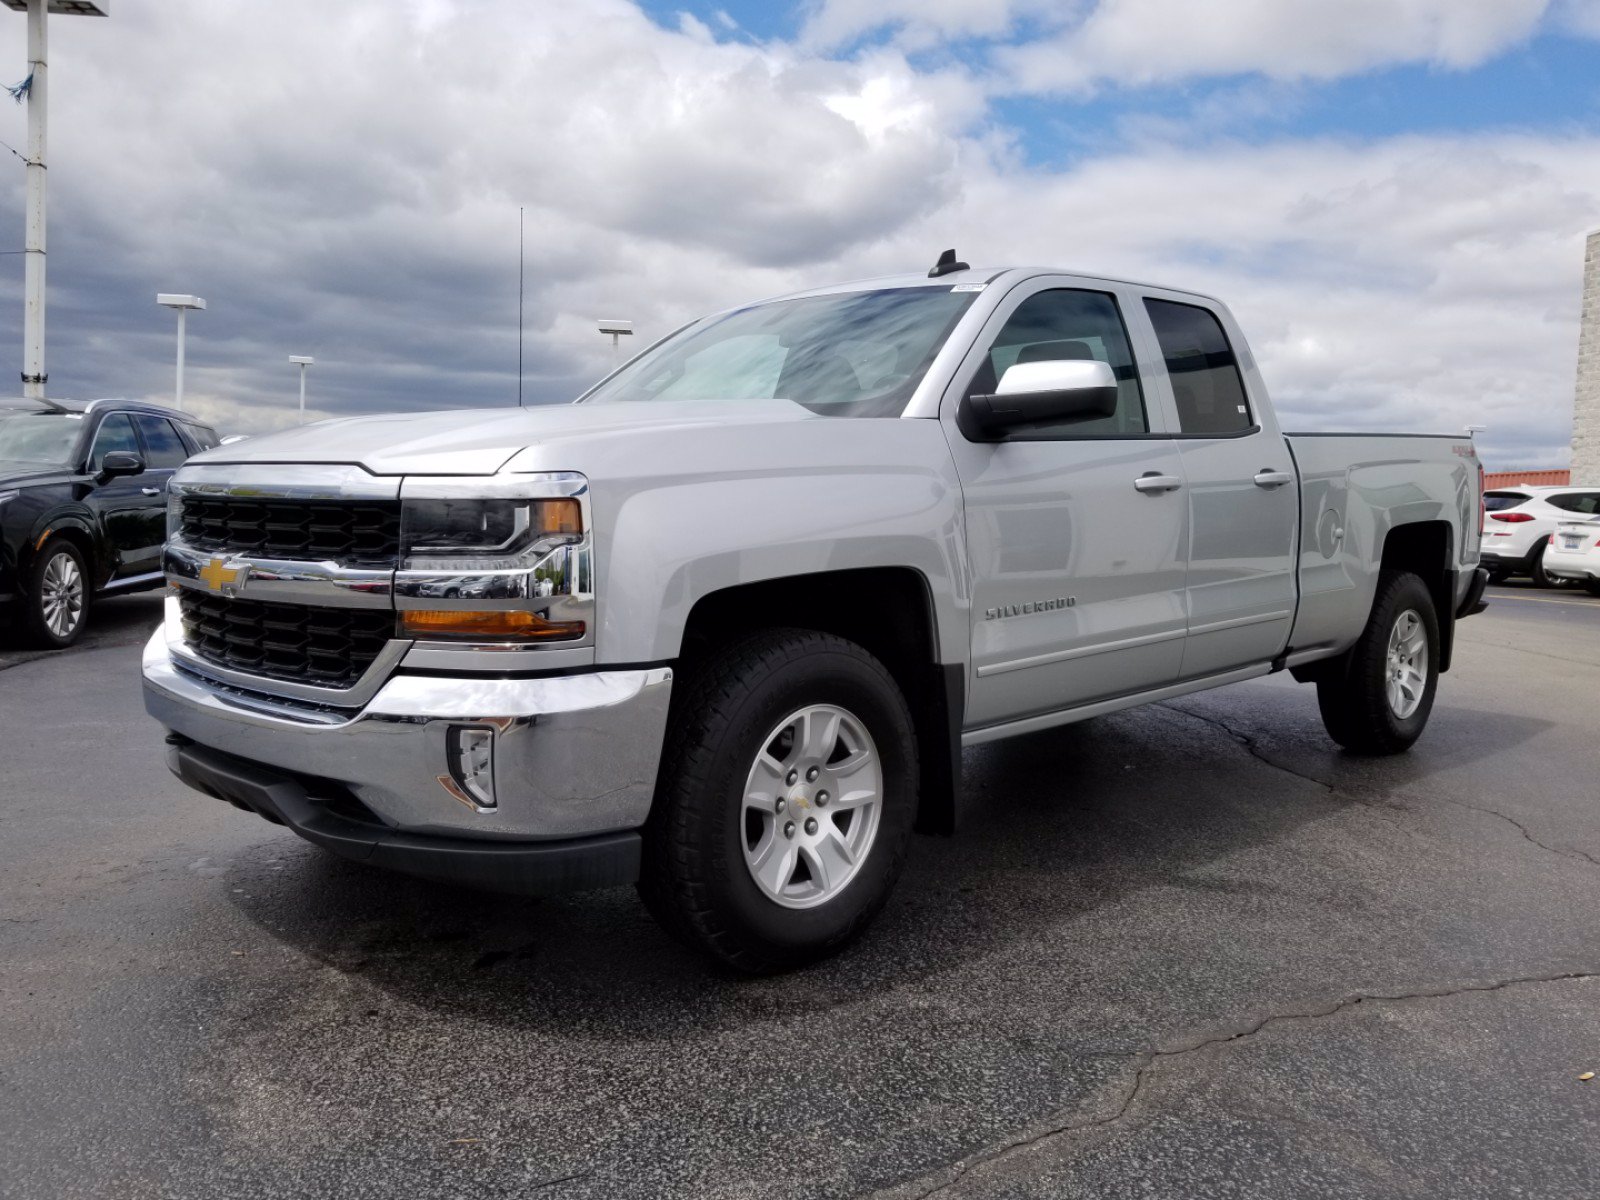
(34, 376)
(519, 306)
(304, 361)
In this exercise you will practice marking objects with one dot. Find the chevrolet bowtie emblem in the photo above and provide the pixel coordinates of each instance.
(216, 576)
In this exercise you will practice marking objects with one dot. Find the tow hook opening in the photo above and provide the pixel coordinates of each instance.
(469, 752)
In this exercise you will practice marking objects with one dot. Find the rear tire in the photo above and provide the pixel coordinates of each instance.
(792, 716)
(1536, 570)
(1593, 587)
(1379, 703)
(55, 603)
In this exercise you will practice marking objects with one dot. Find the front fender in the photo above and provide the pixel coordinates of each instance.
(667, 542)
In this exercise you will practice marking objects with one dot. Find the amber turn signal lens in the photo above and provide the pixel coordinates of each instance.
(496, 624)
(558, 517)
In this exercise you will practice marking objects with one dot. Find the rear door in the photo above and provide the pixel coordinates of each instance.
(164, 452)
(1075, 533)
(1242, 492)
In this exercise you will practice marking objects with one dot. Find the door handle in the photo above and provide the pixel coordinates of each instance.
(1154, 481)
(150, 491)
(1268, 478)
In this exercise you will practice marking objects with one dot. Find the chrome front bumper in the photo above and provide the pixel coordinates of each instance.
(573, 755)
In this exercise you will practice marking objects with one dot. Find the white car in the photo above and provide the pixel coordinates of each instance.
(1574, 553)
(1520, 521)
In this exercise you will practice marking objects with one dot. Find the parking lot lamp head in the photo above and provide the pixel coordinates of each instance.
(618, 330)
(183, 303)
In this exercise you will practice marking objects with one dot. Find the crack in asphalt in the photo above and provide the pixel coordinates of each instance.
(1248, 742)
(1363, 796)
(1149, 1060)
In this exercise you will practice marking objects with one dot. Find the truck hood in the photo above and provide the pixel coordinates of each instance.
(16, 474)
(475, 441)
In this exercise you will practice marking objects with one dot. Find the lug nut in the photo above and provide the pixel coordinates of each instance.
(794, 777)
(780, 805)
(811, 775)
(822, 799)
(811, 824)
(788, 829)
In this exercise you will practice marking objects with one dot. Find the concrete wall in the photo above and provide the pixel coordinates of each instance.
(1586, 405)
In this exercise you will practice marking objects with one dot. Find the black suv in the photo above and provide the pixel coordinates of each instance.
(83, 505)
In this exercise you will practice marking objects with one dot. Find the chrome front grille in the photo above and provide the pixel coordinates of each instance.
(304, 644)
(363, 533)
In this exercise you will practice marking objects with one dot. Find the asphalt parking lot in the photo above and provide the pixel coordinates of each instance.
(1189, 951)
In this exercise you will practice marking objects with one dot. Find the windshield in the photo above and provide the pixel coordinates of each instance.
(39, 437)
(1499, 501)
(853, 354)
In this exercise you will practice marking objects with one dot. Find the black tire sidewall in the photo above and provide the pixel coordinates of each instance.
(1536, 571)
(850, 684)
(758, 683)
(1410, 594)
(1399, 593)
(34, 623)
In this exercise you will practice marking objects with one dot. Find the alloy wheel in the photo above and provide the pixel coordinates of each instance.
(812, 801)
(1406, 665)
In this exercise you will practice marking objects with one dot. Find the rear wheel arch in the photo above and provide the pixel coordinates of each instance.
(1426, 549)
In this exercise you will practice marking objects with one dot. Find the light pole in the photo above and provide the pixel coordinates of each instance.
(183, 304)
(618, 330)
(38, 89)
(302, 361)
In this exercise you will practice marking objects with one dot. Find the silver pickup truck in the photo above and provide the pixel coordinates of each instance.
(723, 626)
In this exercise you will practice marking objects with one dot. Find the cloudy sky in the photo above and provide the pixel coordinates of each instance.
(1392, 194)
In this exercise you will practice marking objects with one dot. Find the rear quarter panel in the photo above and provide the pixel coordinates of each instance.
(1366, 485)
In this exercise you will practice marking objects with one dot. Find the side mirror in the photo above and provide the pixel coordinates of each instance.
(1041, 393)
(118, 463)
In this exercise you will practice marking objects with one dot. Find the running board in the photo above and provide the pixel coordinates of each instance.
(1066, 716)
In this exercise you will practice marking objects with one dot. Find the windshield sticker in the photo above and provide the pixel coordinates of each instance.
(969, 287)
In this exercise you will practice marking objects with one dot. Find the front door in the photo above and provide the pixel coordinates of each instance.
(121, 505)
(1075, 532)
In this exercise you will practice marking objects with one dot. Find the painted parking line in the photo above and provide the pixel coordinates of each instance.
(1496, 597)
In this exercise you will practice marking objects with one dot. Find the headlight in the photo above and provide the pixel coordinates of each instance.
(498, 567)
(485, 535)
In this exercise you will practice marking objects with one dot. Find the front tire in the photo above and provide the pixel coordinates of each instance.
(55, 605)
(1379, 703)
(785, 802)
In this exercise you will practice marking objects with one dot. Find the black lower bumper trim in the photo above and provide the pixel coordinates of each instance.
(522, 868)
(1473, 602)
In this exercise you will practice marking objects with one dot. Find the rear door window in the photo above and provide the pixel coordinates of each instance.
(1500, 501)
(1202, 367)
(164, 449)
(1585, 504)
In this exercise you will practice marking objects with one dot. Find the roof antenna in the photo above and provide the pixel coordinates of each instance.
(946, 264)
